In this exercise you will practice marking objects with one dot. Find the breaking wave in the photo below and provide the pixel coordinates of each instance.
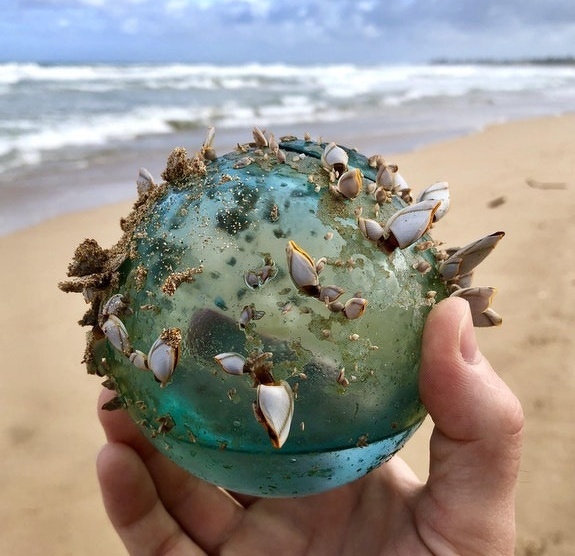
(88, 106)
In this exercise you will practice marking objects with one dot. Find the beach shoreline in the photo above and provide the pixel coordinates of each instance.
(97, 124)
(34, 194)
(518, 177)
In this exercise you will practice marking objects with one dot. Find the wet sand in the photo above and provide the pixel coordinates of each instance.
(518, 177)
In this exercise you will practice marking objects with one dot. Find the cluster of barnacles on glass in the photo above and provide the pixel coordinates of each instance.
(274, 405)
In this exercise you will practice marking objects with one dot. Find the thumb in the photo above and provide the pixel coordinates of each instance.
(476, 443)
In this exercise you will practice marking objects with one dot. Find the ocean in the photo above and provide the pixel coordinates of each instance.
(74, 136)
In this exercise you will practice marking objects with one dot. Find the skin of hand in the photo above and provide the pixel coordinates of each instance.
(465, 508)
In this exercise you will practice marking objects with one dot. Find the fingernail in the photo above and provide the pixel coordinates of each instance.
(467, 341)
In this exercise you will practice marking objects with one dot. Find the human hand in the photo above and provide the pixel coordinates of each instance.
(466, 507)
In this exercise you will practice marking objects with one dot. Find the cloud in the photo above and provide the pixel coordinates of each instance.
(176, 6)
(286, 30)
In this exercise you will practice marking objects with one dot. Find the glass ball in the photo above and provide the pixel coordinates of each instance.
(259, 327)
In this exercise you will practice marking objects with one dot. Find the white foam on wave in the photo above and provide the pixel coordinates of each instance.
(334, 74)
(90, 105)
(29, 146)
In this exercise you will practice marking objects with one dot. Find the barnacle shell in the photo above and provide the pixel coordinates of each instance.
(145, 181)
(354, 307)
(488, 318)
(464, 260)
(139, 359)
(273, 144)
(274, 409)
(302, 269)
(402, 188)
(249, 313)
(349, 184)
(438, 191)
(163, 357)
(208, 151)
(259, 138)
(334, 157)
(385, 177)
(117, 334)
(232, 363)
(479, 299)
(409, 224)
(371, 229)
(329, 294)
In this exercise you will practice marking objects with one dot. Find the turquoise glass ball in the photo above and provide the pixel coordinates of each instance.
(252, 327)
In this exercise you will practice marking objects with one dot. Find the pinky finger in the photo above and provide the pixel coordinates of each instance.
(133, 506)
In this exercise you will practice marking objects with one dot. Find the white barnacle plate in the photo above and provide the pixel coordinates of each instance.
(145, 181)
(275, 408)
(117, 335)
(349, 184)
(162, 359)
(438, 191)
(139, 359)
(385, 177)
(232, 363)
(334, 158)
(410, 223)
(370, 228)
(302, 268)
(464, 260)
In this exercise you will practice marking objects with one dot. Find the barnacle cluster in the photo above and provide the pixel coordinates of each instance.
(260, 319)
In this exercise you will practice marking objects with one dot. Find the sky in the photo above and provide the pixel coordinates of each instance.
(290, 31)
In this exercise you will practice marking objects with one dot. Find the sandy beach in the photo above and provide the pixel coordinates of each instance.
(518, 177)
